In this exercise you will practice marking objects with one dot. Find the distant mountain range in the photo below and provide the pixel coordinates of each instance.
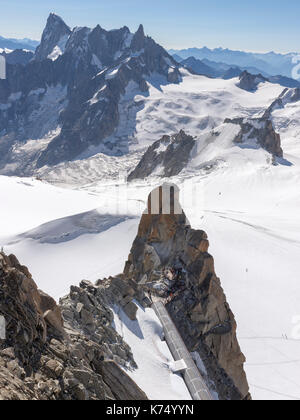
(225, 71)
(271, 63)
(18, 44)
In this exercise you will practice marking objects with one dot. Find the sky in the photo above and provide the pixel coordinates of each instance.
(250, 25)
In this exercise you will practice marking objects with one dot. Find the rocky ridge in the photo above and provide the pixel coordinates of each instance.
(261, 131)
(65, 352)
(167, 157)
(288, 96)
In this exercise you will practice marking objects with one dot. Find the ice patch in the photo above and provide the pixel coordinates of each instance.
(59, 49)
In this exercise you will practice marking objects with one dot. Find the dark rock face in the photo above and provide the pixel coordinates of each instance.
(55, 30)
(170, 155)
(250, 82)
(199, 310)
(84, 78)
(66, 352)
(261, 130)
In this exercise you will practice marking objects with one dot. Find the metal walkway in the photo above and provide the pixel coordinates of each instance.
(191, 374)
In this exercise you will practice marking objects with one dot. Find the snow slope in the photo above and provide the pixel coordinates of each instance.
(60, 236)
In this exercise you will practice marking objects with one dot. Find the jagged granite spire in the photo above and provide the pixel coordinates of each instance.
(55, 31)
(138, 40)
(199, 308)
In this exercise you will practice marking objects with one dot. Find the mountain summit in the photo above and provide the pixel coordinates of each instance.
(55, 35)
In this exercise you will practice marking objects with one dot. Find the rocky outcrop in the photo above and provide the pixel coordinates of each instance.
(166, 158)
(259, 130)
(55, 31)
(200, 310)
(65, 352)
(250, 82)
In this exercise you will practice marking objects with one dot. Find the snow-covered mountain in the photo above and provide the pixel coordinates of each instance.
(67, 99)
(271, 63)
(91, 95)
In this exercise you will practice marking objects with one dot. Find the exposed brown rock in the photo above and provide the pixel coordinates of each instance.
(200, 312)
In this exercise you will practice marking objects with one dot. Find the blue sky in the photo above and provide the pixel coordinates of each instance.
(254, 25)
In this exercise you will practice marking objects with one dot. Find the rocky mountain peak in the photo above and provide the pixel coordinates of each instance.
(138, 40)
(55, 20)
(249, 81)
(55, 31)
(195, 300)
